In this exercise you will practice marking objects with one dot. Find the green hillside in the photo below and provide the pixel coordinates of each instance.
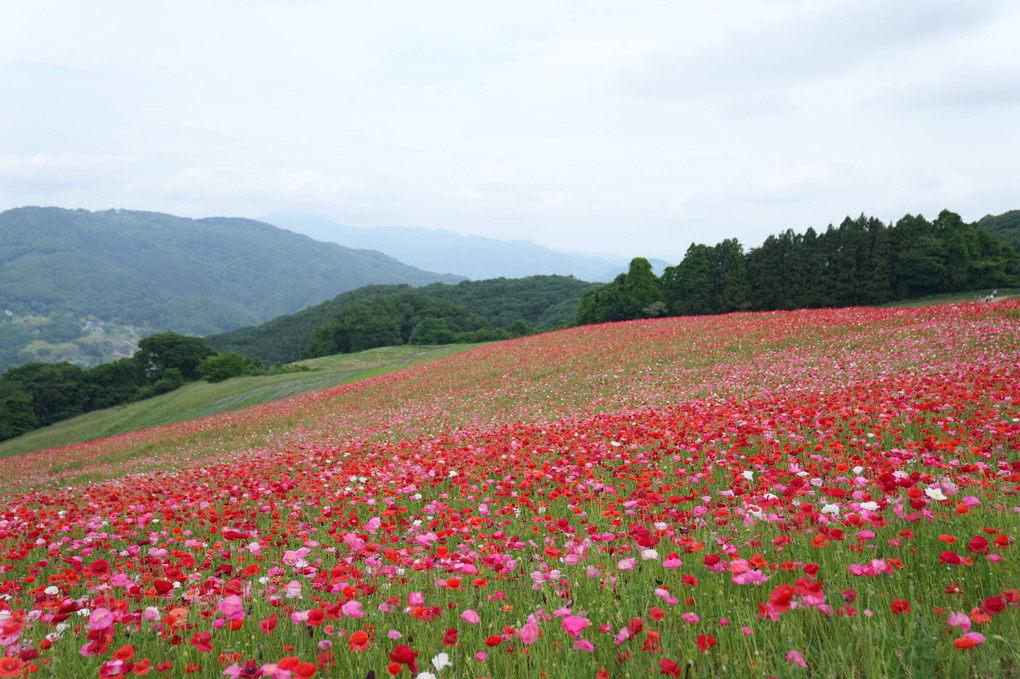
(542, 302)
(202, 399)
(1005, 226)
(137, 273)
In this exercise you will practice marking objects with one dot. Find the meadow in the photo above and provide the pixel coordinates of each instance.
(202, 399)
(818, 493)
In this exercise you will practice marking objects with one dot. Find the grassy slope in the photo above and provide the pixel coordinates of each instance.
(201, 399)
(950, 298)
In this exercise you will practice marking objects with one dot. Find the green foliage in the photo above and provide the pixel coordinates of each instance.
(165, 351)
(170, 379)
(389, 321)
(861, 262)
(56, 390)
(16, 414)
(629, 296)
(543, 302)
(110, 384)
(519, 328)
(431, 331)
(13, 339)
(222, 367)
(1005, 227)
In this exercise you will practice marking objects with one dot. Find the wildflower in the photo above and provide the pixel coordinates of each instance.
(574, 624)
(405, 655)
(529, 633)
(359, 641)
(670, 667)
(232, 608)
(441, 660)
(352, 609)
(201, 641)
(705, 642)
(796, 658)
(780, 599)
(959, 619)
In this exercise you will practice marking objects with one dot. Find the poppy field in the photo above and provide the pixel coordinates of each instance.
(817, 493)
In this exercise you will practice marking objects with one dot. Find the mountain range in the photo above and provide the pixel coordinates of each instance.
(474, 257)
(70, 280)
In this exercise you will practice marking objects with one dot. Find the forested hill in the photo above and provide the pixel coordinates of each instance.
(862, 262)
(1006, 227)
(160, 272)
(541, 302)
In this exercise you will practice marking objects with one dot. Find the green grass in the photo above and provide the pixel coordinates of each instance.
(950, 298)
(201, 399)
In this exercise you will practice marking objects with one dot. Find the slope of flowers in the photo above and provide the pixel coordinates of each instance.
(813, 493)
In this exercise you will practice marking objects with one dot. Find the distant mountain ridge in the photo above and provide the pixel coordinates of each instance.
(474, 257)
(159, 272)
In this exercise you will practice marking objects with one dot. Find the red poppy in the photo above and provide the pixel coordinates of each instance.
(669, 667)
(993, 605)
(405, 655)
(12, 667)
(99, 568)
(781, 597)
(705, 642)
(201, 641)
(359, 642)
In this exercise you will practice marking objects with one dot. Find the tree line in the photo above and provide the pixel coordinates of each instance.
(406, 318)
(36, 395)
(861, 262)
(510, 307)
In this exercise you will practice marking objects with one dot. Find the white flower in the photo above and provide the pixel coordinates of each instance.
(935, 493)
(747, 474)
(830, 509)
(870, 505)
(441, 660)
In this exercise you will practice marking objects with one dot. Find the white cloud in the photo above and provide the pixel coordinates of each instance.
(608, 125)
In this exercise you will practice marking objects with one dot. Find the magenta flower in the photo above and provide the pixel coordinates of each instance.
(959, 619)
(352, 609)
(575, 624)
(101, 620)
(232, 608)
(529, 633)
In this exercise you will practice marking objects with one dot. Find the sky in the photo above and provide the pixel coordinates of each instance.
(621, 127)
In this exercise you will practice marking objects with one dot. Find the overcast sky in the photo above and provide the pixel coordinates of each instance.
(629, 127)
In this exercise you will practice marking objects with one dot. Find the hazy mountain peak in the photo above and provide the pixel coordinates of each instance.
(475, 257)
